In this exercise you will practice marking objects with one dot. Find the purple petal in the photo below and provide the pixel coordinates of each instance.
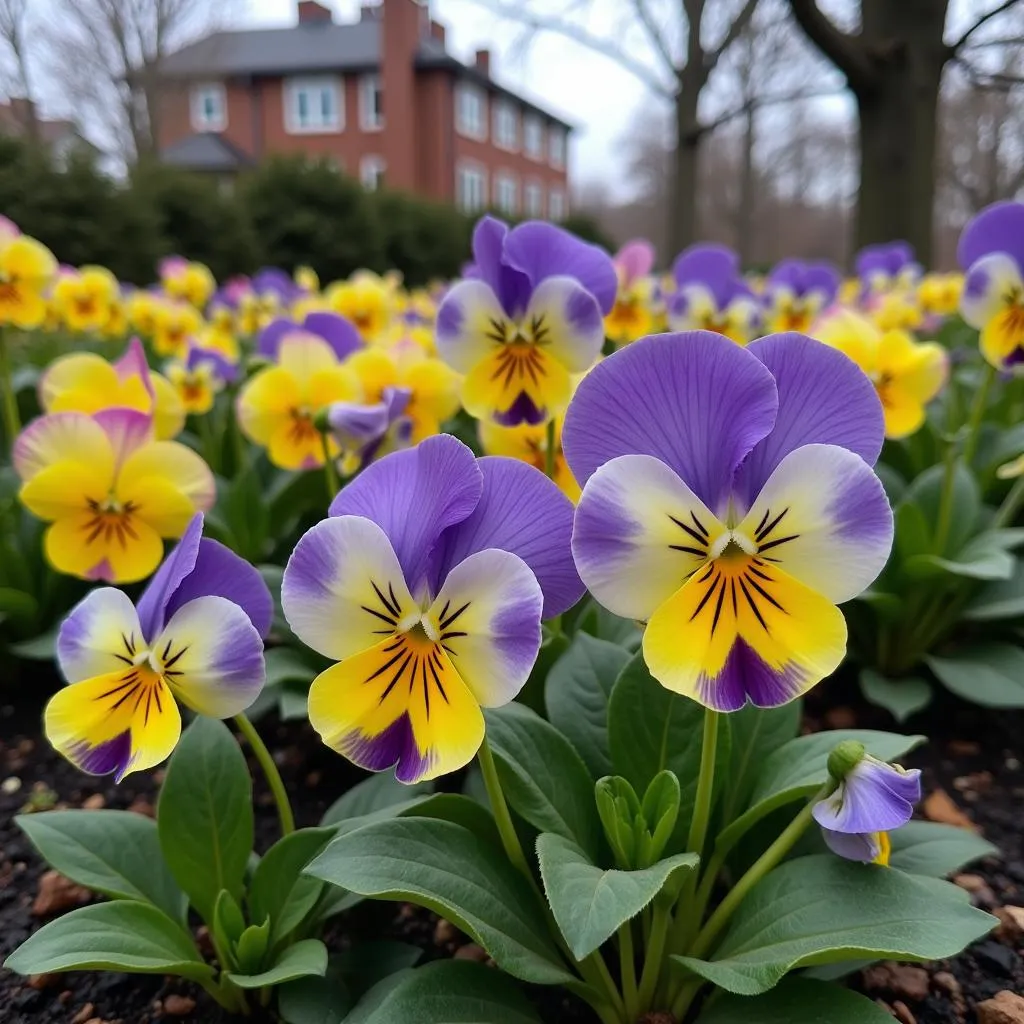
(864, 848)
(522, 511)
(414, 496)
(272, 335)
(696, 401)
(510, 285)
(542, 250)
(716, 267)
(746, 676)
(998, 228)
(354, 425)
(874, 797)
(824, 398)
(635, 259)
(337, 331)
(153, 604)
(222, 369)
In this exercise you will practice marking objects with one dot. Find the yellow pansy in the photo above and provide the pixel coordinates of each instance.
(529, 443)
(84, 297)
(366, 300)
(26, 269)
(175, 325)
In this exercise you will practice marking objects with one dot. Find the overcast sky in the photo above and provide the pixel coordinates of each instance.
(591, 92)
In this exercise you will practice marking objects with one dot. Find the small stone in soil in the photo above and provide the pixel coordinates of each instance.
(977, 887)
(1011, 923)
(178, 1006)
(902, 1013)
(10, 785)
(963, 748)
(939, 806)
(57, 893)
(94, 802)
(471, 951)
(1005, 1008)
(83, 1014)
(445, 932)
(899, 979)
(995, 956)
(41, 981)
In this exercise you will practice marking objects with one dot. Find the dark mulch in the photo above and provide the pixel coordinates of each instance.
(975, 757)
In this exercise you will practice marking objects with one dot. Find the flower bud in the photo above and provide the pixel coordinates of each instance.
(844, 758)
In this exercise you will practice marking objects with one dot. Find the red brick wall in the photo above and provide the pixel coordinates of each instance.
(403, 24)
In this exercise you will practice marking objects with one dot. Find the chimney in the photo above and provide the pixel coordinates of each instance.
(437, 31)
(482, 62)
(313, 13)
(403, 27)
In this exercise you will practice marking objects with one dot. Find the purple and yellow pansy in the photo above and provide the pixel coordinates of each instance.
(711, 295)
(729, 502)
(194, 637)
(796, 293)
(427, 585)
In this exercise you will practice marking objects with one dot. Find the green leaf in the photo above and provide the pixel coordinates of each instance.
(990, 674)
(372, 794)
(444, 867)
(796, 1001)
(605, 625)
(363, 964)
(798, 768)
(116, 853)
(204, 815)
(314, 999)
(228, 921)
(927, 848)
(576, 696)
(462, 810)
(543, 777)
(272, 576)
(16, 604)
(278, 889)
(298, 961)
(287, 665)
(651, 728)
(118, 936)
(981, 558)
(251, 948)
(926, 492)
(448, 992)
(1000, 599)
(39, 648)
(590, 903)
(912, 534)
(756, 733)
(900, 697)
(817, 910)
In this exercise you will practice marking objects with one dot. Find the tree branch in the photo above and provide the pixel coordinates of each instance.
(736, 29)
(983, 20)
(655, 36)
(842, 48)
(757, 103)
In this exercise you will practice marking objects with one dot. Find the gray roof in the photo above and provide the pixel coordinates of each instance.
(313, 47)
(205, 152)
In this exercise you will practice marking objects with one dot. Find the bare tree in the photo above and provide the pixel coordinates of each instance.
(893, 59)
(16, 80)
(106, 56)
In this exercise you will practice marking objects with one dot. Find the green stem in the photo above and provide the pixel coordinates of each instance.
(549, 451)
(946, 498)
(978, 413)
(273, 776)
(330, 473)
(768, 860)
(12, 421)
(499, 808)
(705, 783)
(654, 955)
(1011, 504)
(627, 971)
(686, 996)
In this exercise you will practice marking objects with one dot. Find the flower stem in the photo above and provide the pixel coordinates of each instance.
(1011, 504)
(654, 955)
(12, 421)
(273, 776)
(705, 783)
(330, 473)
(627, 970)
(549, 452)
(978, 413)
(499, 808)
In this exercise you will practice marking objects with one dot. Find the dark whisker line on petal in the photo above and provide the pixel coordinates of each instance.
(445, 623)
(718, 609)
(753, 606)
(735, 607)
(386, 666)
(763, 532)
(700, 526)
(380, 615)
(764, 593)
(399, 672)
(776, 543)
(707, 597)
(688, 550)
(688, 530)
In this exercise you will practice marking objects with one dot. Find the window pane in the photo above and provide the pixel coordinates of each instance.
(302, 101)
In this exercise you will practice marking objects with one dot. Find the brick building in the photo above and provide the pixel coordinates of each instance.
(381, 97)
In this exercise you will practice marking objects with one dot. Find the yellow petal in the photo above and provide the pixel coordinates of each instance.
(93, 546)
(497, 383)
(266, 402)
(62, 489)
(178, 466)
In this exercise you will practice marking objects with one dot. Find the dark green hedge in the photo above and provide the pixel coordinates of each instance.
(287, 212)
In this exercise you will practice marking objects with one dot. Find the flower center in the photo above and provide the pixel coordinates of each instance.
(110, 520)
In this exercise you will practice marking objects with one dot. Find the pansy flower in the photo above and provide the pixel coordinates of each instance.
(529, 443)
(175, 324)
(365, 300)
(84, 297)
(711, 295)
(631, 318)
(86, 382)
(278, 406)
(365, 431)
(906, 373)
(110, 492)
(871, 800)
(185, 280)
(199, 377)
(339, 333)
(531, 318)
(991, 253)
(938, 296)
(796, 292)
(195, 637)
(427, 585)
(26, 269)
(729, 502)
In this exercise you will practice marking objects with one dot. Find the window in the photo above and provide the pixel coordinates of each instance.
(533, 137)
(506, 192)
(471, 188)
(556, 147)
(314, 105)
(471, 111)
(371, 172)
(556, 204)
(533, 199)
(506, 125)
(209, 107)
(371, 103)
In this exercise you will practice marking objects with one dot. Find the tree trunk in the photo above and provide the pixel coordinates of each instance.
(683, 185)
(898, 112)
(745, 218)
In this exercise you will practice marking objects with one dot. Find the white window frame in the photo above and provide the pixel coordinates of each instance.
(200, 122)
(472, 127)
(505, 130)
(557, 206)
(313, 84)
(506, 192)
(557, 144)
(533, 198)
(477, 171)
(370, 120)
(371, 169)
(530, 122)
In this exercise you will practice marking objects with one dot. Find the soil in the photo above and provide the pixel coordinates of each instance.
(975, 758)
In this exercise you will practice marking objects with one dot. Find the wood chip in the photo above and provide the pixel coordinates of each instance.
(941, 807)
(1005, 1008)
